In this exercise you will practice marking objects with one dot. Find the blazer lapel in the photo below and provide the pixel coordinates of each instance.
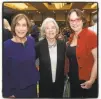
(58, 55)
(46, 54)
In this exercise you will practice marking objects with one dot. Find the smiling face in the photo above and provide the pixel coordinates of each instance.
(21, 28)
(75, 22)
(50, 30)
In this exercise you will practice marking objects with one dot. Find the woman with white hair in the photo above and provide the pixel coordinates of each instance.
(51, 54)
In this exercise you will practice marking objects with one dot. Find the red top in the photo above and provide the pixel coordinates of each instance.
(87, 40)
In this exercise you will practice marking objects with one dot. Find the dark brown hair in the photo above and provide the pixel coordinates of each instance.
(80, 14)
(16, 19)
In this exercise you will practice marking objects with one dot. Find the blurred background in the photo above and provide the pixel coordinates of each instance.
(39, 11)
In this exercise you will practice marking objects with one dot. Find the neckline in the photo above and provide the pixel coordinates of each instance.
(18, 42)
(72, 46)
(52, 46)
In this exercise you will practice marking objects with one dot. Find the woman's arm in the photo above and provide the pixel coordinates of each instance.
(94, 68)
(6, 74)
(88, 84)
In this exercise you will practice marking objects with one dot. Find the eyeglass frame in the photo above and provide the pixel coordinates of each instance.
(76, 20)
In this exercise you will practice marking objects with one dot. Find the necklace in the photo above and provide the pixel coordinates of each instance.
(53, 45)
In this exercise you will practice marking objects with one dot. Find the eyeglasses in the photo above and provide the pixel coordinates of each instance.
(76, 20)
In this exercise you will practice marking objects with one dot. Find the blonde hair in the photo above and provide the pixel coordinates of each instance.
(47, 20)
(7, 25)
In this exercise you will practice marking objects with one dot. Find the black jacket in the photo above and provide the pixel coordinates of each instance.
(42, 53)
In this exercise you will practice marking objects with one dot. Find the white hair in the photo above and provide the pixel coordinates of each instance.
(47, 20)
(7, 25)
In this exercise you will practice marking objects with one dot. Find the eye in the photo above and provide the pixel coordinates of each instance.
(75, 20)
(46, 28)
(17, 24)
(24, 25)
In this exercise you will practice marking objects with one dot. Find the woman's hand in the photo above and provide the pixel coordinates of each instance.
(11, 96)
(86, 84)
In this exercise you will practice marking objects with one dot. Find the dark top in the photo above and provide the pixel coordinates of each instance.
(19, 69)
(73, 65)
(6, 34)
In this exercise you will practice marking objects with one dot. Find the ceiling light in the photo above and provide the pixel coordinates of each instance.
(93, 5)
(59, 5)
(20, 6)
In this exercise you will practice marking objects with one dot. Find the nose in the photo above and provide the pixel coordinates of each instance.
(50, 29)
(73, 22)
(21, 28)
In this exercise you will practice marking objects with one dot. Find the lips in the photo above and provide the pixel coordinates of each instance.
(75, 26)
(51, 34)
(21, 32)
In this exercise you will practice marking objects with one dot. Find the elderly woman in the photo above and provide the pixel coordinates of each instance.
(51, 54)
(82, 55)
(20, 75)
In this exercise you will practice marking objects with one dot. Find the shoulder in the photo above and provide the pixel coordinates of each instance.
(87, 34)
(40, 43)
(90, 33)
(91, 38)
(30, 38)
(7, 46)
(60, 42)
(7, 43)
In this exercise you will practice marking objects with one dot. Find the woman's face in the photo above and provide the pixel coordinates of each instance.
(75, 22)
(21, 28)
(50, 30)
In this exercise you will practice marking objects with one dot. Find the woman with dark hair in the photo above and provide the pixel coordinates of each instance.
(20, 75)
(82, 55)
